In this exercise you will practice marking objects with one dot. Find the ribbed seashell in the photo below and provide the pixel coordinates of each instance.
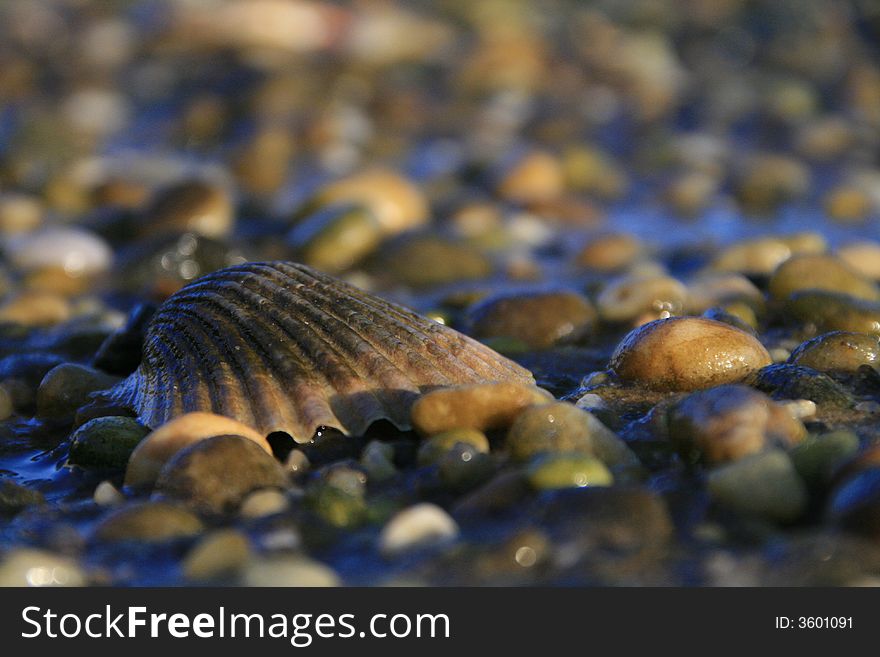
(281, 347)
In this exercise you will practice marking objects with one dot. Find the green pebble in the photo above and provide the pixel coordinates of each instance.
(106, 442)
(435, 447)
(817, 457)
(554, 471)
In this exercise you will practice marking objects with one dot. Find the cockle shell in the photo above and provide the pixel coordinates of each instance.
(282, 347)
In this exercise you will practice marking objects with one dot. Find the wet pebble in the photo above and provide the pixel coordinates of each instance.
(610, 253)
(765, 484)
(263, 502)
(160, 445)
(818, 457)
(838, 351)
(417, 527)
(538, 320)
(15, 498)
(218, 554)
(819, 272)
(480, 406)
(435, 447)
(34, 567)
(335, 238)
(426, 261)
(784, 381)
(106, 442)
(863, 257)
(67, 387)
(76, 251)
(641, 298)
(151, 522)
(106, 494)
(533, 178)
(36, 309)
(687, 353)
(561, 470)
(288, 571)
(214, 475)
(832, 311)
(194, 206)
(729, 422)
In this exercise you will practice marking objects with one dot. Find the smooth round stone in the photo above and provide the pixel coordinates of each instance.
(335, 238)
(690, 193)
(847, 204)
(534, 178)
(537, 319)
(758, 256)
(218, 554)
(833, 311)
(609, 253)
(481, 406)
(378, 460)
(262, 503)
(713, 289)
(819, 272)
(7, 402)
(106, 494)
(215, 475)
(19, 213)
(563, 427)
(433, 449)
(15, 498)
(74, 250)
(838, 351)
(426, 261)
(418, 527)
(106, 442)
(288, 571)
(192, 206)
(159, 446)
(729, 422)
(863, 257)
(817, 458)
(36, 308)
(687, 353)
(462, 467)
(636, 297)
(34, 567)
(553, 471)
(395, 201)
(785, 381)
(855, 503)
(67, 387)
(152, 522)
(765, 484)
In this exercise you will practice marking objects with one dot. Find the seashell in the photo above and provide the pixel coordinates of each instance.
(281, 347)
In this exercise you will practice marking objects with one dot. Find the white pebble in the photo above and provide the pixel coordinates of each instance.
(106, 494)
(262, 503)
(78, 252)
(289, 571)
(800, 408)
(420, 526)
(32, 567)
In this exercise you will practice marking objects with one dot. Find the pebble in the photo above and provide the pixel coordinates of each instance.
(863, 257)
(214, 475)
(610, 253)
(426, 261)
(151, 522)
(728, 423)
(15, 498)
(106, 442)
(838, 351)
(417, 527)
(535, 177)
(553, 471)
(76, 251)
(481, 406)
(561, 427)
(218, 554)
(288, 571)
(642, 298)
(538, 319)
(395, 201)
(159, 446)
(106, 494)
(190, 206)
(34, 567)
(687, 353)
(593, 171)
(847, 204)
(36, 308)
(262, 503)
(67, 387)
(7, 405)
(433, 449)
(819, 272)
(759, 256)
(770, 180)
(831, 311)
(818, 457)
(378, 460)
(19, 214)
(714, 289)
(764, 484)
(784, 381)
(335, 238)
